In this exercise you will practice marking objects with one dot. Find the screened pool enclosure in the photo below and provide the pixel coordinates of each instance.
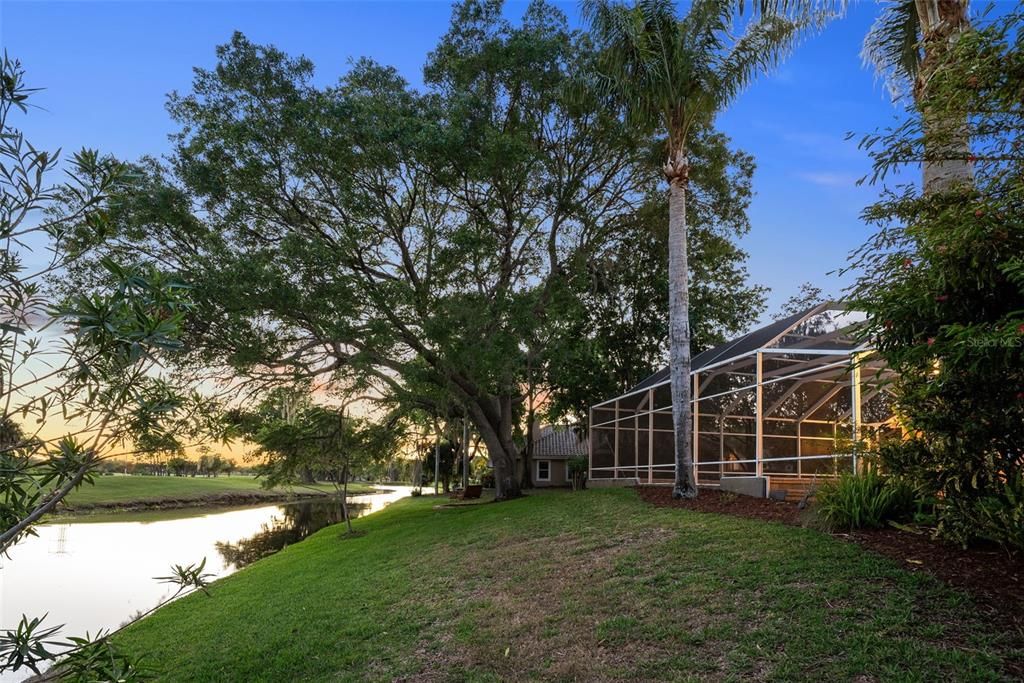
(787, 402)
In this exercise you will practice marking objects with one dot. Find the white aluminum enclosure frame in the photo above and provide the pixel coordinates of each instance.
(785, 401)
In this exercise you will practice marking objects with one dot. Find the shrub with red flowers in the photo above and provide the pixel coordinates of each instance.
(943, 284)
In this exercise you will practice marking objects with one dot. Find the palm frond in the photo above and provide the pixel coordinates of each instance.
(764, 44)
(679, 71)
(892, 46)
(792, 8)
(634, 61)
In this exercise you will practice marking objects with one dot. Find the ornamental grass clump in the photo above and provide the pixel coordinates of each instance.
(864, 500)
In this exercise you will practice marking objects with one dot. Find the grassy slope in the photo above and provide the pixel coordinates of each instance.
(119, 489)
(562, 586)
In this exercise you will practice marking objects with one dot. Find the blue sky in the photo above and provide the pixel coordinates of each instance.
(107, 67)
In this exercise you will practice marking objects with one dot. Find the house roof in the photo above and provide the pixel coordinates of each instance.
(559, 441)
(731, 349)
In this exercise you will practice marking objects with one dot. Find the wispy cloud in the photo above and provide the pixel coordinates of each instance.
(829, 178)
(784, 76)
(823, 145)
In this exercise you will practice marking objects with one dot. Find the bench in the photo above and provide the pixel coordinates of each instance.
(471, 492)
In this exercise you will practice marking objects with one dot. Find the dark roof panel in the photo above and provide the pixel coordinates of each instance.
(751, 341)
(731, 349)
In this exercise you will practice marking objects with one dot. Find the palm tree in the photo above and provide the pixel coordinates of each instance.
(672, 75)
(904, 45)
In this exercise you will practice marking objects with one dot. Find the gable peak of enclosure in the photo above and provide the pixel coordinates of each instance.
(775, 409)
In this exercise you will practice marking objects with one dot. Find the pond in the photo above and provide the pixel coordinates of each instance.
(96, 572)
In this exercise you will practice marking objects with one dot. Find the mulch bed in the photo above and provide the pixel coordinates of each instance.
(990, 575)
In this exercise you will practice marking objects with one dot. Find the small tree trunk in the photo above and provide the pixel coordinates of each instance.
(531, 414)
(465, 454)
(344, 498)
(679, 327)
(437, 461)
(528, 451)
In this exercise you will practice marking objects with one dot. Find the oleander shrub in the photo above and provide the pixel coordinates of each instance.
(996, 518)
(942, 284)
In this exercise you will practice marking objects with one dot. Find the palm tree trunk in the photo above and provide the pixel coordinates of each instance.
(946, 164)
(679, 328)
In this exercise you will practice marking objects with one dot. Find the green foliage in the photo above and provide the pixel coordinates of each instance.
(807, 295)
(300, 441)
(97, 659)
(943, 285)
(180, 466)
(101, 345)
(428, 245)
(449, 461)
(579, 468)
(81, 367)
(580, 464)
(997, 517)
(28, 645)
(864, 500)
(893, 45)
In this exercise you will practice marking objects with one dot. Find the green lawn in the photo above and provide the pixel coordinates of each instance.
(562, 586)
(112, 490)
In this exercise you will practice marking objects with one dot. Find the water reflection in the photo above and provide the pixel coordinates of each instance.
(94, 573)
(296, 521)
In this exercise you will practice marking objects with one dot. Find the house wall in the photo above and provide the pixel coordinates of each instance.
(559, 473)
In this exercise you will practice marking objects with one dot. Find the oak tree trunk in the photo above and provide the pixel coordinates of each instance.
(493, 419)
(677, 171)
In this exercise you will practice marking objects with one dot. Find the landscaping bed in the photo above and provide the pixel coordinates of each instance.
(990, 575)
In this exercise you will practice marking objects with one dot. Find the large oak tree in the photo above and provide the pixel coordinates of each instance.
(370, 230)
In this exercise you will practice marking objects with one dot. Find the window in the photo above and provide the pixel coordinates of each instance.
(543, 470)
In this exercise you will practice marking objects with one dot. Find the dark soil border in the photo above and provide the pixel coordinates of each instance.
(992, 577)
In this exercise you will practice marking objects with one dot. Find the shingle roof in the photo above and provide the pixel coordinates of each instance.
(730, 349)
(559, 441)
